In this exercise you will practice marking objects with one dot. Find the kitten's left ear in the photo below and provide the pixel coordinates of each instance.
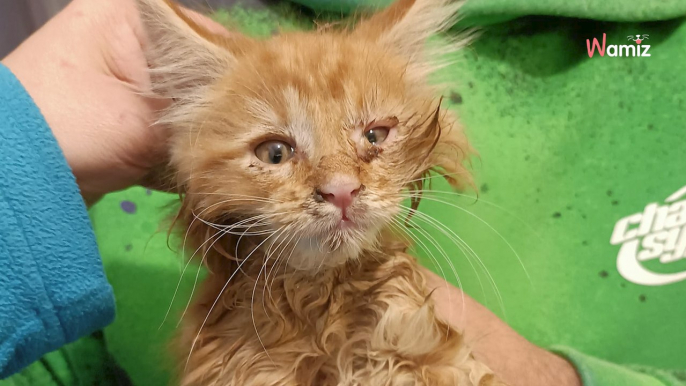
(406, 25)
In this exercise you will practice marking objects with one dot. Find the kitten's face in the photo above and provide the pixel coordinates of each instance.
(309, 140)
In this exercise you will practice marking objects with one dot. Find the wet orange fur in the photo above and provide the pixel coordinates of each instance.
(291, 299)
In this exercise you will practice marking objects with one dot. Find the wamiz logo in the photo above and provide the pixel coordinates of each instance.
(659, 232)
(637, 50)
(637, 38)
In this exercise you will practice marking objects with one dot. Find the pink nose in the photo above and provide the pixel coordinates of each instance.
(340, 191)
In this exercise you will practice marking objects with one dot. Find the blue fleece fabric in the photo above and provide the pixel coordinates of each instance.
(52, 286)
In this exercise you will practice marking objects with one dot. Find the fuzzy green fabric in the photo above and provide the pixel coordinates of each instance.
(568, 144)
(484, 12)
(85, 362)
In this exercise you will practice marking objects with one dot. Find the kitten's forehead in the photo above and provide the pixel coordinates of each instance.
(325, 67)
(319, 87)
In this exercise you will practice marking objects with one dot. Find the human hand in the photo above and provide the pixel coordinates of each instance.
(514, 359)
(86, 70)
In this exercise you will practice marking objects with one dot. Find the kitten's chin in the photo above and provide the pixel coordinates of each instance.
(314, 253)
(337, 243)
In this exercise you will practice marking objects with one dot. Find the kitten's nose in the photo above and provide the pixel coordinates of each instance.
(340, 190)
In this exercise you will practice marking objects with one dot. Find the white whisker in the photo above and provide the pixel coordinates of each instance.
(221, 292)
(445, 256)
(178, 284)
(274, 264)
(519, 259)
(257, 280)
(217, 236)
(466, 250)
(490, 203)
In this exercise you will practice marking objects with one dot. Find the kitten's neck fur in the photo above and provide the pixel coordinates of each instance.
(260, 255)
(268, 326)
(305, 296)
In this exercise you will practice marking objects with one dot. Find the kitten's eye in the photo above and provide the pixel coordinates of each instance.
(377, 135)
(274, 152)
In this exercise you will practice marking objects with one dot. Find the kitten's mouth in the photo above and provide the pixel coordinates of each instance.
(343, 227)
(346, 223)
(334, 239)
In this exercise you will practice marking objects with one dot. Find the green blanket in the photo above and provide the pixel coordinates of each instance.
(483, 12)
(569, 145)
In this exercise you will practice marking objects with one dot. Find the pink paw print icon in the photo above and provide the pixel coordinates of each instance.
(637, 38)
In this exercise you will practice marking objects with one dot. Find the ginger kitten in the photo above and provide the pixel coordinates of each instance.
(293, 155)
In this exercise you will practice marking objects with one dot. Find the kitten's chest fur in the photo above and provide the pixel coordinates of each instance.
(365, 323)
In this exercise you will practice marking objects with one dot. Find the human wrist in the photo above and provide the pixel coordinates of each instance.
(517, 361)
(555, 370)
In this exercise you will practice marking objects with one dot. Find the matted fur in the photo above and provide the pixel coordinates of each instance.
(292, 297)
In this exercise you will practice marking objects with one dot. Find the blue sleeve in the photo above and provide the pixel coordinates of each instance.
(52, 286)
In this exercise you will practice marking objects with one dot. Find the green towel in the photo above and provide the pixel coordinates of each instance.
(569, 146)
(484, 12)
(85, 362)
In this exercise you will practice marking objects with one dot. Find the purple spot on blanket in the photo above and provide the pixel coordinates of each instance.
(148, 192)
(128, 207)
(128, 247)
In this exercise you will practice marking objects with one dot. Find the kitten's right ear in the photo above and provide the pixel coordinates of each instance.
(183, 55)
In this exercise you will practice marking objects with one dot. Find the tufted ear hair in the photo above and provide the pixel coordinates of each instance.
(406, 26)
(184, 57)
(449, 149)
